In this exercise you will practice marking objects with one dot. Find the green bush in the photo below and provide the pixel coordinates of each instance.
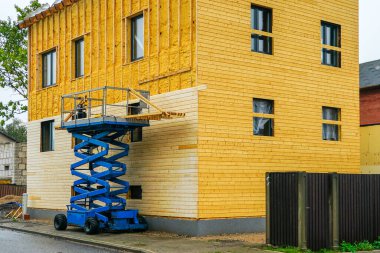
(376, 243)
(344, 247)
(361, 246)
(364, 246)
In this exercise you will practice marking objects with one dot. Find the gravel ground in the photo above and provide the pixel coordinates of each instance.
(252, 238)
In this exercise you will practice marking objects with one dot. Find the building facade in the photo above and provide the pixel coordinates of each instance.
(12, 161)
(370, 116)
(265, 85)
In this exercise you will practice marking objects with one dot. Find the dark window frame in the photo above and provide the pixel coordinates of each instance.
(137, 135)
(79, 45)
(259, 116)
(267, 18)
(329, 56)
(263, 23)
(335, 57)
(335, 31)
(6, 167)
(329, 122)
(47, 146)
(134, 19)
(269, 44)
(135, 192)
(53, 68)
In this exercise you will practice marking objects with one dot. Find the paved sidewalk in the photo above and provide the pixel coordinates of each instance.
(147, 242)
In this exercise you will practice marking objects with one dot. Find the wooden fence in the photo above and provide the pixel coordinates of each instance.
(9, 189)
(317, 211)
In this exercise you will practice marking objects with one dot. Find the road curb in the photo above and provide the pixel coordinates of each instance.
(88, 242)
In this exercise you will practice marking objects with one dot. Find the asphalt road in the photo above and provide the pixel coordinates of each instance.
(17, 242)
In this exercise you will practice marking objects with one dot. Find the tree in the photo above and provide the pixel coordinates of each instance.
(14, 62)
(16, 130)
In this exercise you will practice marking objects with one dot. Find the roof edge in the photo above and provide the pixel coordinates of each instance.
(369, 62)
(369, 87)
(48, 11)
(8, 136)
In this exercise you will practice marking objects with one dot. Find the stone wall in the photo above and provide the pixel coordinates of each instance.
(7, 156)
(13, 162)
(20, 164)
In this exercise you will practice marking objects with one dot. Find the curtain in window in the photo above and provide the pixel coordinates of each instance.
(330, 132)
(330, 113)
(260, 124)
(265, 107)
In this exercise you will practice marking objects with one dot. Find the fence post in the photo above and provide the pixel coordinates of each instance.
(302, 215)
(24, 204)
(334, 210)
(267, 203)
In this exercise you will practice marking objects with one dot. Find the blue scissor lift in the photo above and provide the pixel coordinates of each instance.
(95, 203)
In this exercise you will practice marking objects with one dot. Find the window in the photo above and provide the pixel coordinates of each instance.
(137, 38)
(79, 58)
(330, 36)
(6, 167)
(135, 192)
(261, 44)
(136, 135)
(47, 136)
(330, 57)
(331, 123)
(134, 108)
(263, 120)
(261, 20)
(49, 68)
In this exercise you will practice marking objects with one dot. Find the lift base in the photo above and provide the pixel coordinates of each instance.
(127, 220)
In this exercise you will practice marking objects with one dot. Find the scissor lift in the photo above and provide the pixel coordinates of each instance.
(98, 130)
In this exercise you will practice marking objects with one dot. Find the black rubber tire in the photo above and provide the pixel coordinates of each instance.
(142, 221)
(91, 226)
(60, 222)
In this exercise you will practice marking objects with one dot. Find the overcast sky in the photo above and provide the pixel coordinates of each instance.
(369, 35)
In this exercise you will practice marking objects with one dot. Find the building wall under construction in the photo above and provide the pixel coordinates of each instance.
(169, 49)
(164, 164)
(198, 60)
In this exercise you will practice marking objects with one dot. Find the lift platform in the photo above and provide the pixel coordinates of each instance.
(101, 131)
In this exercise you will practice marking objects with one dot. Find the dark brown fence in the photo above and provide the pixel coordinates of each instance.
(318, 211)
(284, 221)
(330, 209)
(8, 189)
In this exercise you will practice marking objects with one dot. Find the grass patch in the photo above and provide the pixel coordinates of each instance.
(344, 247)
(286, 249)
(360, 246)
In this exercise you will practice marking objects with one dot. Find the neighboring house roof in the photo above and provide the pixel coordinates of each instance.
(8, 136)
(44, 11)
(370, 74)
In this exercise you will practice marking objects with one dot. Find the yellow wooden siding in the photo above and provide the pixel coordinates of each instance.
(370, 149)
(169, 59)
(233, 162)
(168, 173)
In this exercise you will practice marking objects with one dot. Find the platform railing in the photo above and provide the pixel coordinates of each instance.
(102, 102)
